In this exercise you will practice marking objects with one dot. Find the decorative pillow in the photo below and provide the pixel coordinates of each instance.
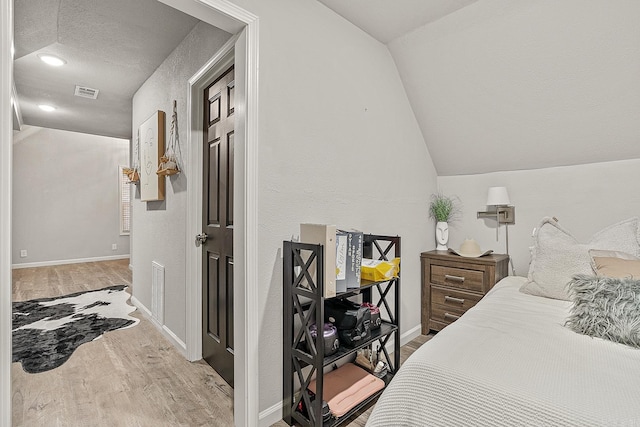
(557, 255)
(615, 264)
(605, 307)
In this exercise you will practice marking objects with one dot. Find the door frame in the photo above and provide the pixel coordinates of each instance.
(6, 161)
(229, 17)
(195, 135)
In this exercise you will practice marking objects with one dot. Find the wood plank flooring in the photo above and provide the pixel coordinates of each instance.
(132, 377)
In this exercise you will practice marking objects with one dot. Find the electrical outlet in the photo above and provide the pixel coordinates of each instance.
(23, 253)
(114, 247)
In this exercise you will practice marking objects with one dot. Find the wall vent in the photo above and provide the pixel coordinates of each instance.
(86, 92)
(157, 292)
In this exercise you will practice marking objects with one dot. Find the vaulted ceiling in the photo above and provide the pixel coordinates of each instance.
(503, 85)
(387, 20)
(494, 85)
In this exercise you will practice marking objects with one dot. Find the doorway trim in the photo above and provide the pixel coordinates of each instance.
(6, 160)
(195, 134)
(243, 49)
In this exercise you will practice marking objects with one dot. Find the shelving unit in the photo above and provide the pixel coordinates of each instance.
(303, 304)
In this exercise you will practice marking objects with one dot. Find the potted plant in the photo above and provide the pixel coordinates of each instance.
(444, 209)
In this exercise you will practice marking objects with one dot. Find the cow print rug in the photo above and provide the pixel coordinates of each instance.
(47, 331)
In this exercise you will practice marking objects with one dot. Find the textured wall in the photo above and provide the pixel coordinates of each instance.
(338, 144)
(585, 198)
(507, 85)
(66, 195)
(159, 227)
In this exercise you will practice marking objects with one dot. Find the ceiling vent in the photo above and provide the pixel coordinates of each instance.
(86, 92)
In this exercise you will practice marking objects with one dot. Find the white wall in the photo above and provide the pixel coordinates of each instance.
(159, 227)
(506, 85)
(338, 143)
(584, 198)
(66, 195)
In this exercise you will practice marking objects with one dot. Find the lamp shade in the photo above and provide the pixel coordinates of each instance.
(498, 196)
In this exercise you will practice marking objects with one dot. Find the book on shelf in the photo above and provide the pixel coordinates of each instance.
(342, 256)
(349, 270)
(325, 235)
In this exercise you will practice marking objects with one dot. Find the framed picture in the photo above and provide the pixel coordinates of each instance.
(151, 149)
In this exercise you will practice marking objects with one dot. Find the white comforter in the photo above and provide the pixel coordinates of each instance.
(509, 361)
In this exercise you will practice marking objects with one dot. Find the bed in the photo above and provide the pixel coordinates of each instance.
(512, 361)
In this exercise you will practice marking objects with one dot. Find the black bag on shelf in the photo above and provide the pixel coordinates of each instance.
(352, 320)
(376, 321)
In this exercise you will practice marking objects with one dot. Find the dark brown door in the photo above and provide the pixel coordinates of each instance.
(217, 197)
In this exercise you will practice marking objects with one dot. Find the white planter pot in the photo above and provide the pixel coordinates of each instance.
(442, 235)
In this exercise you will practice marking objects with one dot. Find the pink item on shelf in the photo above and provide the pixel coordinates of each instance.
(346, 387)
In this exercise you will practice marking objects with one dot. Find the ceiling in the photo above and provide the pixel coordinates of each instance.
(115, 45)
(507, 82)
(387, 20)
(109, 45)
(507, 85)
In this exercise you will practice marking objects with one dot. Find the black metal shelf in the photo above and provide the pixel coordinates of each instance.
(385, 330)
(303, 301)
(364, 285)
(362, 407)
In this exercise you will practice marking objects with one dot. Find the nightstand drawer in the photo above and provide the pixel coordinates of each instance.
(453, 299)
(445, 314)
(458, 277)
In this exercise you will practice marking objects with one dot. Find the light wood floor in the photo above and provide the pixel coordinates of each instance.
(131, 377)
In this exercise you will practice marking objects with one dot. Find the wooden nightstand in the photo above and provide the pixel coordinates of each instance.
(452, 284)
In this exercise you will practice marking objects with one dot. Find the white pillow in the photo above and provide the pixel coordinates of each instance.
(557, 255)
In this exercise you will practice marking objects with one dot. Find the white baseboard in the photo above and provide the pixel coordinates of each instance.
(177, 342)
(410, 335)
(405, 338)
(271, 415)
(68, 261)
(164, 330)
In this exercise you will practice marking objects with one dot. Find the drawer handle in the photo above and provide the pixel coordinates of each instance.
(451, 316)
(454, 278)
(447, 298)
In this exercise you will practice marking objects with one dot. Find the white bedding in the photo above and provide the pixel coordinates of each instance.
(509, 361)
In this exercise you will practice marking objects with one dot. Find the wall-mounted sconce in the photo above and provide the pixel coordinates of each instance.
(498, 198)
(498, 202)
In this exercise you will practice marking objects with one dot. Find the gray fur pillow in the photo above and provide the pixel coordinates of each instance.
(606, 307)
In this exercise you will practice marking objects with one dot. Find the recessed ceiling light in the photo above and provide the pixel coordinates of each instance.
(51, 60)
(45, 107)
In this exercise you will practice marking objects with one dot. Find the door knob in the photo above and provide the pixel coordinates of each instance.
(201, 238)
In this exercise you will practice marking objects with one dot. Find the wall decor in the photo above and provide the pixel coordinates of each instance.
(170, 162)
(151, 149)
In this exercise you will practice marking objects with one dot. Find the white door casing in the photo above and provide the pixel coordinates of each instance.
(6, 126)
